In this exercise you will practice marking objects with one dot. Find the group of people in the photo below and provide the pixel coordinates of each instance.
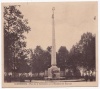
(9, 78)
(21, 78)
(89, 77)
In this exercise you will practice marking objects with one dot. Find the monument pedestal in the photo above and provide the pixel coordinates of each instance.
(54, 72)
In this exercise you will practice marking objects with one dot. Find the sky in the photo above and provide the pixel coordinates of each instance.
(72, 19)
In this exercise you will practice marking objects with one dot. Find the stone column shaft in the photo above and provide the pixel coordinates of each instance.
(53, 59)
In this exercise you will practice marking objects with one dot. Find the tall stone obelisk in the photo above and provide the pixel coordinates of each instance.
(53, 71)
(53, 58)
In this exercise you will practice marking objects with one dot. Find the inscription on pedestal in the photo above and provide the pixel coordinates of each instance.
(54, 72)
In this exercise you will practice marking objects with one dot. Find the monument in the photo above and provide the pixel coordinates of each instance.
(53, 71)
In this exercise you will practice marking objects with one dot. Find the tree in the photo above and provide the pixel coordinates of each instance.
(37, 61)
(83, 53)
(62, 57)
(49, 49)
(47, 58)
(22, 62)
(74, 56)
(41, 60)
(88, 53)
(14, 27)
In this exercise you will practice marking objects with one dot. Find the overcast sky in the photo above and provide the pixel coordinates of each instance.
(71, 21)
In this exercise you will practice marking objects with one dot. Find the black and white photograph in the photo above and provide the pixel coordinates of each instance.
(50, 44)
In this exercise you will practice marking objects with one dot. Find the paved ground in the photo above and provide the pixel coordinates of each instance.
(40, 81)
(73, 80)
